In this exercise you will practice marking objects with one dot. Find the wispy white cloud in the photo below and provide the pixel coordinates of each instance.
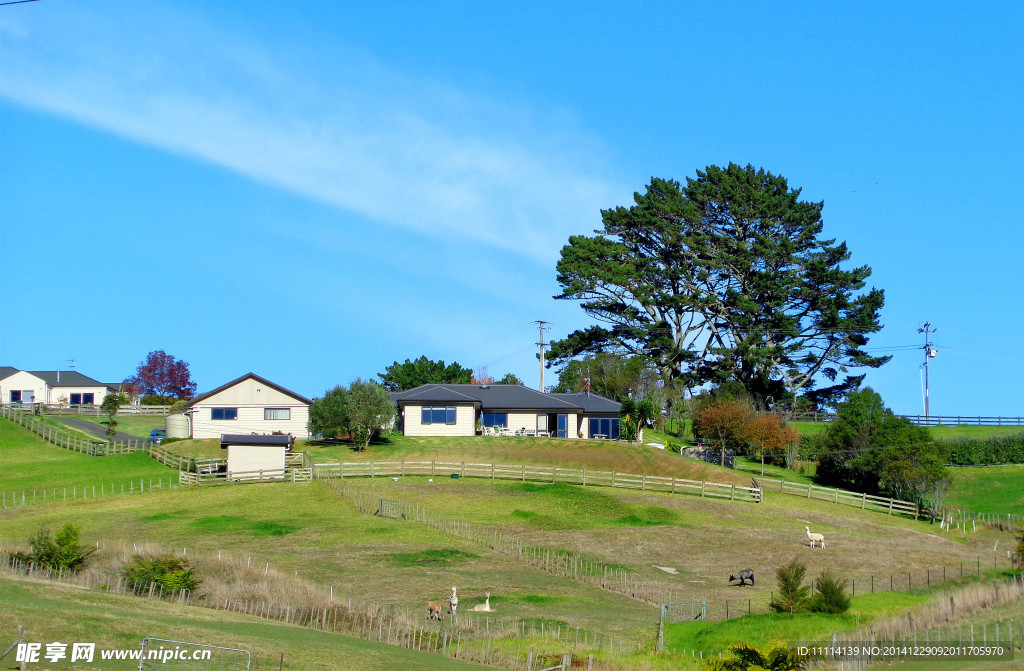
(355, 134)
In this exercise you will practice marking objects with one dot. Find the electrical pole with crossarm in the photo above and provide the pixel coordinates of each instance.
(929, 354)
(541, 324)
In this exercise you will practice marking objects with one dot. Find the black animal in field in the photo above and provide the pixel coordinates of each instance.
(743, 576)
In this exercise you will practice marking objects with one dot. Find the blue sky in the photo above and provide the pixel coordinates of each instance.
(311, 191)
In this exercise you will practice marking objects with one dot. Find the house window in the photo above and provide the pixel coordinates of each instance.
(495, 419)
(223, 413)
(15, 396)
(438, 414)
(82, 399)
(87, 399)
(606, 427)
(277, 413)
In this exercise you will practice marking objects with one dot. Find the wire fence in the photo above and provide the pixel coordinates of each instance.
(929, 634)
(520, 645)
(64, 494)
(578, 567)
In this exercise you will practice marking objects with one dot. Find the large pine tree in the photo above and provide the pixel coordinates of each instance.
(726, 278)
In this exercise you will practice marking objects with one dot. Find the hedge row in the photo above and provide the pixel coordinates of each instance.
(997, 450)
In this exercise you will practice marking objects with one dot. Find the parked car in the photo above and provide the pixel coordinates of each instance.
(156, 436)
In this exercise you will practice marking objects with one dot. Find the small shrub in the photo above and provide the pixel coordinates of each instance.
(793, 596)
(745, 657)
(169, 572)
(56, 552)
(830, 594)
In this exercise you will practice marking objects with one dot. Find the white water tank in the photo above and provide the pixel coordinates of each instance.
(177, 426)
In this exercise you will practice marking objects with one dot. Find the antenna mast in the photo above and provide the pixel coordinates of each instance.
(540, 323)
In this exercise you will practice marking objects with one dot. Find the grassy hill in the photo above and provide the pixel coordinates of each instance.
(119, 621)
(31, 463)
(988, 489)
(293, 543)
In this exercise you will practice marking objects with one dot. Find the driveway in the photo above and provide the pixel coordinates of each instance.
(96, 429)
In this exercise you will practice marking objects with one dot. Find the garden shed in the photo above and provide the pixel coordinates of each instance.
(248, 455)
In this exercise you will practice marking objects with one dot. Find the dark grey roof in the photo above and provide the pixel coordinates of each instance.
(245, 439)
(7, 371)
(590, 402)
(65, 378)
(494, 396)
(435, 392)
(254, 376)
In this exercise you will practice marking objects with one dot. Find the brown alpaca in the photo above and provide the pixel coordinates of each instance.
(434, 610)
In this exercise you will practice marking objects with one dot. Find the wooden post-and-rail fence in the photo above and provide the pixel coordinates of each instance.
(537, 473)
(860, 500)
(100, 448)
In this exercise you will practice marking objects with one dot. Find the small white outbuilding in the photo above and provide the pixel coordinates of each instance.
(253, 456)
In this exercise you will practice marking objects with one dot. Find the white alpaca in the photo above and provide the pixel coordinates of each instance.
(453, 602)
(485, 607)
(815, 538)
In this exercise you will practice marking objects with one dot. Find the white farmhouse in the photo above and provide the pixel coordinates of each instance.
(51, 387)
(249, 405)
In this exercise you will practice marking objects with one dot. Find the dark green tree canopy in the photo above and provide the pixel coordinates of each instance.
(870, 449)
(723, 279)
(328, 416)
(411, 374)
(611, 375)
(511, 378)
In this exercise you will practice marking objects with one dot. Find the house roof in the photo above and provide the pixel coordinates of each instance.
(254, 376)
(7, 371)
(65, 378)
(497, 396)
(590, 402)
(262, 441)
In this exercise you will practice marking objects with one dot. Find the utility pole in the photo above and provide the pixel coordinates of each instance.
(929, 353)
(540, 323)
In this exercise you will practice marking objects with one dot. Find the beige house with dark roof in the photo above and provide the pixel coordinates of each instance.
(458, 409)
(247, 405)
(67, 387)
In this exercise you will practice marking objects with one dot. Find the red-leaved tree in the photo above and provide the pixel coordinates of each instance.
(162, 375)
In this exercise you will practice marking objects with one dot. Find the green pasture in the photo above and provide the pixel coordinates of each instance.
(30, 463)
(987, 489)
(761, 630)
(592, 454)
(308, 533)
(134, 425)
(122, 621)
(1001, 613)
(283, 540)
(977, 432)
(703, 539)
(752, 467)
